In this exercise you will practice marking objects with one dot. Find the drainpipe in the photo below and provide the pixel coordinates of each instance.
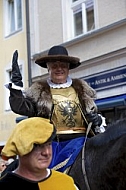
(28, 42)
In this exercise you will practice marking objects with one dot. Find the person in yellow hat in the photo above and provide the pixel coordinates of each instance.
(31, 140)
(68, 103)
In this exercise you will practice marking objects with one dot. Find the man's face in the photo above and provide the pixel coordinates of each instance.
(39, 158)
(58, 71)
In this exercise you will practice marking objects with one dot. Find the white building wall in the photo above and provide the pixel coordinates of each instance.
(99, 50)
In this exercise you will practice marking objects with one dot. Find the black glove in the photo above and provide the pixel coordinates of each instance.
(16, 75)
(94, 118)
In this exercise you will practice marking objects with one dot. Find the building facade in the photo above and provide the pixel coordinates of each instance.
(13, 36)
(94, 31)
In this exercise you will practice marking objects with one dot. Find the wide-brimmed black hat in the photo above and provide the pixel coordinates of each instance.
(58, 53)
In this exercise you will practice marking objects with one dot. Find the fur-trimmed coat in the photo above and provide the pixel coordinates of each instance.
(38, 99)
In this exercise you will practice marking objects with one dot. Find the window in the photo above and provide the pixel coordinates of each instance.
(78, 17)
(13, 16)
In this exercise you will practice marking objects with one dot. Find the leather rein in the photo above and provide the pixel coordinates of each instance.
(83, 157)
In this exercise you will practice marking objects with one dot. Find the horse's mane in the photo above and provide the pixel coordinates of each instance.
(113, 131)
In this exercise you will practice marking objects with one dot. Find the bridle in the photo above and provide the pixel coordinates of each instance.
(83, 157)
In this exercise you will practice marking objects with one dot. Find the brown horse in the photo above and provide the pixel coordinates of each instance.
(104, 163)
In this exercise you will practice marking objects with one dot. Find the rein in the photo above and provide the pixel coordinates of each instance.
(83, 157)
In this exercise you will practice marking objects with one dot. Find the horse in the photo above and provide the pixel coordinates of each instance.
(101, 165)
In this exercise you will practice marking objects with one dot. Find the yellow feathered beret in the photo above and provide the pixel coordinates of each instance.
(28, 132)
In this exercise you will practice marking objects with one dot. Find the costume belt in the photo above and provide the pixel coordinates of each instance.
(79, 130)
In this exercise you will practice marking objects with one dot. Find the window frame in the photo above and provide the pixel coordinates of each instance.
(68, 10)
(7, 18)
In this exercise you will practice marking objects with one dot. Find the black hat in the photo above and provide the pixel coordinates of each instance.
(58, 53)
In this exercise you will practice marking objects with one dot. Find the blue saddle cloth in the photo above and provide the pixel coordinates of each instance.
(66, 151)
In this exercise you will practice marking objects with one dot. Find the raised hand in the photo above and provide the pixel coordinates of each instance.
(16, 75)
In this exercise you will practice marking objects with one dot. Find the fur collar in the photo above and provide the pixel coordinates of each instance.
(39, 93)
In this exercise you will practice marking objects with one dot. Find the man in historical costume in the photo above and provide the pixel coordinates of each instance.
(68, 103)
(31, 140)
